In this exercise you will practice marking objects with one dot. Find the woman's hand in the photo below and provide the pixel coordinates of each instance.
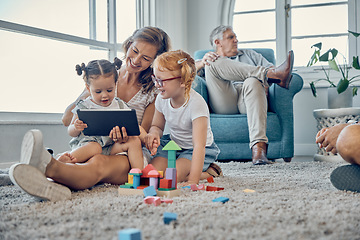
(119, 136)
(80, 125)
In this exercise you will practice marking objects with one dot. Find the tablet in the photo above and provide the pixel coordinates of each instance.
(101, 121)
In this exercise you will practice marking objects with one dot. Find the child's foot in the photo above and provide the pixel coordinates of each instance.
(33, 151)
(214, 170)
(35, 183)
(67, 158)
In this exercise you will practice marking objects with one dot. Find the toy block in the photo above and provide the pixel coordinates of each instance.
(167, 201)
(166, 189)
(130, 191)
(130, 179)
(161, 174)
(188, 187)
(171, 147)
(129, 234)
(212, 188)
(148, 169)
(221, 199)
(171, 174)
(127, 186)
(153, 200)
(142, 187)
(249, 190)
(154, 178)
(149, 191)
(169, 217)
(195, 187)
(169, 194)
(210, 179)
(165, 183)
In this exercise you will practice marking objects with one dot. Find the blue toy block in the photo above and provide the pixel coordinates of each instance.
(221, 199)
(130, 234)
(149, 191)
(136, 181)
(168, 217)
(171, 174)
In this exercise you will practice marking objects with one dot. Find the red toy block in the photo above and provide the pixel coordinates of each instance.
(165, 183)
(210, 179)
(146, 170)
(167, 201)
(211, 188)
(153, 200)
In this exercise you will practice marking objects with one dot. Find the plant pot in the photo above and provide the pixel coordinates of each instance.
(342, 100)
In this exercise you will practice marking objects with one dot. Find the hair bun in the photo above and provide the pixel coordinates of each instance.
(80, 68)
(117, 63)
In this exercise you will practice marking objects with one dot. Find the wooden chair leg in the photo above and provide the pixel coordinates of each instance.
(287, 159)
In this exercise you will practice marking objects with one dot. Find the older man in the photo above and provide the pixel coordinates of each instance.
(237, 82)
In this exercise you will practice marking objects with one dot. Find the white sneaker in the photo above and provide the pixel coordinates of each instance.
(33, 151)
(35, 183)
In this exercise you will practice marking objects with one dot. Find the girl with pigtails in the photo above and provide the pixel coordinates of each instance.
(100, 78)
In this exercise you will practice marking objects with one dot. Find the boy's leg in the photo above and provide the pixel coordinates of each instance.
(133, 149)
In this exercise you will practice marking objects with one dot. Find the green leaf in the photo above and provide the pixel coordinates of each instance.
(314, 58)
(313, 89)
(342, 85)
(326, 56)
(355, 63)
(355, 34)
(317, 45)
(354, 91)
(333, 65)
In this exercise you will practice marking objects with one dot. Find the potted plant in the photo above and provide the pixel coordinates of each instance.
(331, 58)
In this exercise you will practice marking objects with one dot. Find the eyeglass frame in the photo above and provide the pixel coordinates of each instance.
(160, 81)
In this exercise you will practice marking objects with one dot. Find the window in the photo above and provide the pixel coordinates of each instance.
(248, 23)
(42, 41)
(296, 24)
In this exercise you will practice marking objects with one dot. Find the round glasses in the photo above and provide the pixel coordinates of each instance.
(160, 81)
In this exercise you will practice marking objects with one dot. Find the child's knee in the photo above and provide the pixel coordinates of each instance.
(348, 144)
(95, 148)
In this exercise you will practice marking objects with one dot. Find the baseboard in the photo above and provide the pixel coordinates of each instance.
(305, 149)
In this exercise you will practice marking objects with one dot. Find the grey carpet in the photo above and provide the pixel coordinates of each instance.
(292, 201)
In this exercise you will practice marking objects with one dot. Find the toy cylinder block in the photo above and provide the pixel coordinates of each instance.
(154, 182)
(136, 181)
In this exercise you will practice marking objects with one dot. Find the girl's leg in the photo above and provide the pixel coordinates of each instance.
(87, 151)
(133, 149)
(100, 168)
(183, 167)
(160, 163)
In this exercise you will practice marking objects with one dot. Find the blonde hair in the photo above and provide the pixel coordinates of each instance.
(178, 60)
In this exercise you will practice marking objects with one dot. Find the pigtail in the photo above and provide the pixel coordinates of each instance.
(117, 63)
(80, 68)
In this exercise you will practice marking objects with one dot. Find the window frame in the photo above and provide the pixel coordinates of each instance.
(284, 37)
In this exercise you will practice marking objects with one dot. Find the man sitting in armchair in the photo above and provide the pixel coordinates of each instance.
(237, 81)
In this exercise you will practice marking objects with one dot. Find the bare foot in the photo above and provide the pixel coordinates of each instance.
(67, 158)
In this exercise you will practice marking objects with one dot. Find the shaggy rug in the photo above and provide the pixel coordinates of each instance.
(291, 201)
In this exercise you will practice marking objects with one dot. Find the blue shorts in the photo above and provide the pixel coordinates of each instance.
(211, 152)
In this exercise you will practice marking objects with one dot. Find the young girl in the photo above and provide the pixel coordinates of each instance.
(187, 116)
(100, 78)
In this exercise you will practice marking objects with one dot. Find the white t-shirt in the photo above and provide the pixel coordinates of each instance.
(88, 104)
(179, 120)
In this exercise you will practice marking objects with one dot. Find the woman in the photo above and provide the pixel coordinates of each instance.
(136, 88)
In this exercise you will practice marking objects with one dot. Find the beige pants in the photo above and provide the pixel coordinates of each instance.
(235, 87)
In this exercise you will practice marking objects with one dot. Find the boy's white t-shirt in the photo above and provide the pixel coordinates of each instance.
(179, 120)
